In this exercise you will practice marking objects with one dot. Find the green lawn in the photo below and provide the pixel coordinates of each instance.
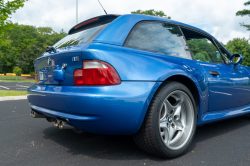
(12, 93)
(14, 79)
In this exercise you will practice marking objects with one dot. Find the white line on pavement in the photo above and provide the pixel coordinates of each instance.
(4, 87)
(22, 86)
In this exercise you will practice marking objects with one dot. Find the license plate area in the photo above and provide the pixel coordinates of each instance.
(46, 75)
(43, 75)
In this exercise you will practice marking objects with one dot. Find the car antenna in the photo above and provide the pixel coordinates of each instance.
(102, 7)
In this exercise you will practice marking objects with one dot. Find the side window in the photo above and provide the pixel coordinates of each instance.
(158, 37)
(225, 54)
(202, 48)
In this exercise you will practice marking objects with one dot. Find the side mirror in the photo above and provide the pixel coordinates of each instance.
(236, 59)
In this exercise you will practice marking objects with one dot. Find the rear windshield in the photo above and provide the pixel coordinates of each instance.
(85, 36)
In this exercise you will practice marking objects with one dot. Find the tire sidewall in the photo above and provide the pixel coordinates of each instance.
(170, 87)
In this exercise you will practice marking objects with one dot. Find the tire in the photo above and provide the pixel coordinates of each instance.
(172, 114)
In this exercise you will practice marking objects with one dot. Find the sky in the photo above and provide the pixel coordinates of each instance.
(216, 17)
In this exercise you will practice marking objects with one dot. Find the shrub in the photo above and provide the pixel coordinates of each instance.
(17, 71)
(32, 73)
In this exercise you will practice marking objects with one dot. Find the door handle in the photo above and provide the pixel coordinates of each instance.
(214, 73)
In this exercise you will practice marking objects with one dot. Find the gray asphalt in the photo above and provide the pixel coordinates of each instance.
(26, 141)
(22, 86)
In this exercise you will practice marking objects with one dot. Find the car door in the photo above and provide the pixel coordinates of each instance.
(241, 79)
(227, 85)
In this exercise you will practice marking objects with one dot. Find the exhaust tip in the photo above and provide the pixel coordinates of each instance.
(56, 124)
(65, 125)
(35, 114)
(60, 125)
(32, 114)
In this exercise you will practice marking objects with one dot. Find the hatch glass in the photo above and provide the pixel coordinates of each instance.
(85, 36)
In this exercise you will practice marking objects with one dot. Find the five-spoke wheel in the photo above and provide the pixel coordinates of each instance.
(170, 122)
(176, 119)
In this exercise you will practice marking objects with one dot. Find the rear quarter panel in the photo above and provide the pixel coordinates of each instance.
(137, 65)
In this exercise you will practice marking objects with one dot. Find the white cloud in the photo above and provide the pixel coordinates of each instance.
(214, 16)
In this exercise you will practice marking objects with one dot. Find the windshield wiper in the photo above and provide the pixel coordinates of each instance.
(50, 48)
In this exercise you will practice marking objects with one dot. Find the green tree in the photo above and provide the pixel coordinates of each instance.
(204, 47)
(152, 12)
(240, 46)
(21, 38)
(244, 12)
(200, 57)
(7, 9)
(27, 43)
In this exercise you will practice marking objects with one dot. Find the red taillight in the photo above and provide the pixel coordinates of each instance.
(95, 72)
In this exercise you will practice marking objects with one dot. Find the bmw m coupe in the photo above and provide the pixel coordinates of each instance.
(150, 77)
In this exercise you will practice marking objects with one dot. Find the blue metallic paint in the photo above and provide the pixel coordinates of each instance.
(229, 89)
(141, 73)
(118, 109)
(152, 66)
(222, 114)
(59, 74)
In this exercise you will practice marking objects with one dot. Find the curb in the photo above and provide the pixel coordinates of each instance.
(13, 98)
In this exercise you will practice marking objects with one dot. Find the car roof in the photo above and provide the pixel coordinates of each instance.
(148, 17)
(117, 30)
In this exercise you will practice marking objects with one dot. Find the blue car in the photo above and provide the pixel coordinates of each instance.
(150, 77)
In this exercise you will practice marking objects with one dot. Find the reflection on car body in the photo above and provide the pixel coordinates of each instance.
(150, 77)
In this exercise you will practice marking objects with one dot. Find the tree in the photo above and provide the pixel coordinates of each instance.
(27, 43)
(21, 38)
(200, 57)
(152, 12)
(21, 44)
(7, 9)
(204, 47)
(240, 46)
(244, 12)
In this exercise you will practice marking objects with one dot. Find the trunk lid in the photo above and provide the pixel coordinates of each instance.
(50, 65)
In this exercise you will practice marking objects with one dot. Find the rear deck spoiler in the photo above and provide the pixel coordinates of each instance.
(93, 22)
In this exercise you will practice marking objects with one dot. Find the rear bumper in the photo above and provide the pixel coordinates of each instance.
(116, 109)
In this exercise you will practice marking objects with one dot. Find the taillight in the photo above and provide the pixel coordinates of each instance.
(95, 72)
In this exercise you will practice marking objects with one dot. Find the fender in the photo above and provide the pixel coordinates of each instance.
(137, 65)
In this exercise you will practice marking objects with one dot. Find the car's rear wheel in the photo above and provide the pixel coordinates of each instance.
(170, 123)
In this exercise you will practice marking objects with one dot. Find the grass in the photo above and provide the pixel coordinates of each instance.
(14, 79)
(12, 93)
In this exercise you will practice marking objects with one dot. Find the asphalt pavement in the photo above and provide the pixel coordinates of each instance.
(22, 86)
(26, 141)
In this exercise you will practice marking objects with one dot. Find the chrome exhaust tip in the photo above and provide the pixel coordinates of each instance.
(56, 124)
(65, 125)
(34, 114)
